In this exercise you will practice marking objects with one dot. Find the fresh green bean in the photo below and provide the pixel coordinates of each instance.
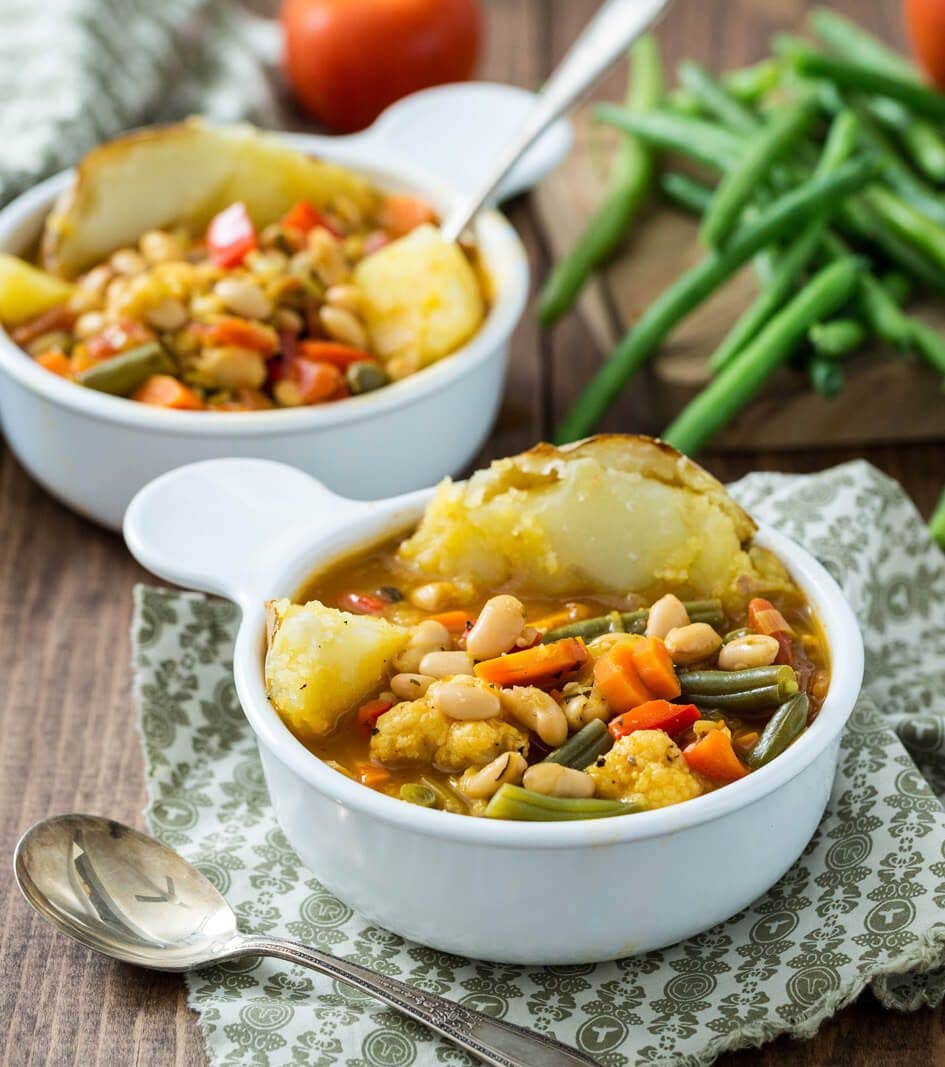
(749, 84)
(784, 726)
(685, 191)
(122, 374)
(514, 802)
(584, 747)
(743, 377)
(826, 376)
(898, 285)
(847, 74)
(746, 705)
(702, 141)
(837, 337)
(820, 195)
(741, 182)
(416, 793)
(909, 222)
(630, 622)
(937, 522)
(682, 102)
(716, 99)
(929, 343)
(727, 682)
(630, 180)
(848, 40)
(858, 218)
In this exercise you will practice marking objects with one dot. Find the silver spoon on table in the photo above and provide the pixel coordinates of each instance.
(602, 41)
(125, 894)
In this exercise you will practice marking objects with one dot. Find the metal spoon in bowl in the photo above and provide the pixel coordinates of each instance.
(125, 894)
(615, 25)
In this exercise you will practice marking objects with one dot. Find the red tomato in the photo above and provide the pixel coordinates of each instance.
(231, 236)
(303, 217)
(926, 22)
(348, 59)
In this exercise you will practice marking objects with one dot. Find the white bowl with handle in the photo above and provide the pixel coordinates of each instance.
(95, 451)
(531, 893)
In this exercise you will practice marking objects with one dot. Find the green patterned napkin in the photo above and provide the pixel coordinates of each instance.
(863, 905)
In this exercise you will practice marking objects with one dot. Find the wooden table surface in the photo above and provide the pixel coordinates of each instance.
(67, 738)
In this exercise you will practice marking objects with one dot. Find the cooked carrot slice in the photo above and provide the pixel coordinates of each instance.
(457, 622)
(165, 391)
(334, 352)
(535, 666)
(655, 666)
(57, 361)
(616, 676)
(370, 774)
(714, 757)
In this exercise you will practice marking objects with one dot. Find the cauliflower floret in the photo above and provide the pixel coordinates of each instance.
(415, 732)
(645, 766)
(320, 662)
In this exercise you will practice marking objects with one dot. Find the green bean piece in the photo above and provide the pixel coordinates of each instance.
(749, 704)
(897, 285)
(820, 195)
(683, 102)
(122, 374)
(826, 376)
(749, 84)
(850, 41)
(733, 635)
(858, 218)
(740, 381)
(716, 99)
(836, 338)
(909, 222)
(741, 182)
(632, 622)
(447, 799)
(784, 726)
(699, 140)
(780, 675)
(525, 805)
(365, 376)
(630, 179)
(848, 74)
(584, 747)
(937, 522)
(688, 193)
(840, 144)
(929, 343)
(421, 795)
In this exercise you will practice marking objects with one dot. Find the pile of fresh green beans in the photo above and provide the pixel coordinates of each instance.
(825, 165)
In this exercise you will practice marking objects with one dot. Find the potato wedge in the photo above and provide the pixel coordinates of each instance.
(609, 515)
(422, 299)
(26, 291)
(320, 662)
(183, 175)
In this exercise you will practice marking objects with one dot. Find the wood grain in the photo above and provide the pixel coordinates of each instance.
(67, 740)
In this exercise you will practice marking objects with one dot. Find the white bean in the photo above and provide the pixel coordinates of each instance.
(168, 315)
(432, 596)
(582, 708)
(498, 627)
(344, 296)
(158, 246)
(693, 643)
(553, 780)
(429, 636)
(668, 613)
(243, 297)
(484, 783)
(127, 262)
(464, 698)
(411, 686)
(538, 711)
(752, 650)
(342, 326)
(444, 664)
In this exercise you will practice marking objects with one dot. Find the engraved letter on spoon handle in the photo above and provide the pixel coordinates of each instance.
(495, 1042)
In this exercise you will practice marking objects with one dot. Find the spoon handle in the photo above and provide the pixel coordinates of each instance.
(494, 1042)
(603, 39)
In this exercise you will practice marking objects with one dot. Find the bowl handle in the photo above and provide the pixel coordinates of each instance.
(213, 526)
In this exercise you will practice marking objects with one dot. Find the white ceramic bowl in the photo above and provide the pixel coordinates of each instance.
(94, 451)
(518, 892)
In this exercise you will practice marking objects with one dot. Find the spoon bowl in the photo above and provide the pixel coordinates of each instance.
(123, 893)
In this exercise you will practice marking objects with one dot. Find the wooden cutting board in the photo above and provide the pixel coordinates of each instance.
(887, 397)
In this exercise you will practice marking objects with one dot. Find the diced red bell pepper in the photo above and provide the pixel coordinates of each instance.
(362, 603)
(303, 217)
(116, 337)
(369, 713)
(231, 236)
(317, 382)
(243, 334)
(342, 356)
(655, 715)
